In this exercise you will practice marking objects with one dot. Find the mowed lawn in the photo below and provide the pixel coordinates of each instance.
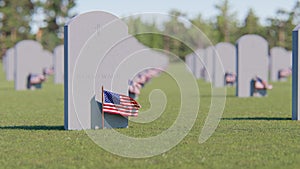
(253, 132)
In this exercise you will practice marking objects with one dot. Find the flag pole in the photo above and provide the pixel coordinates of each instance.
(102, 108)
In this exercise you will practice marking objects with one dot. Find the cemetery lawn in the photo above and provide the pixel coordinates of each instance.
(253, 132)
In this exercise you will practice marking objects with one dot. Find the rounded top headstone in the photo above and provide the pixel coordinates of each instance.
(102, 16)
(296, 28)
(224, 44)
(28, 44)
(278, 48)
(251, 38)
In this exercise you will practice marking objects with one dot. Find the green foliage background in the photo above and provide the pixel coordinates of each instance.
(18, 18)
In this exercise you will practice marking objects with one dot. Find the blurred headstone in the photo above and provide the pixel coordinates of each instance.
(28, 60)
(4, 62)
(252, 61)
(296, 75)
(58, 64)
(47, 59)
(209, 64)
(199, 68)
(189, 62)
(226, 52)
(9, 64)
(280, 60)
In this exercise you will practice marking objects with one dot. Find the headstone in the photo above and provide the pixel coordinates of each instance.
(58, 63)
(28, 54)
(162, 61)
(226, 52)
(111, 77)
(129, 58)
(290, 53)
(88, 37)
(189, 62)
(209, 64)
(4, 62)
(47, 59)
(9, 64)
(252, 60)
(280, 59)
(296, 75)
(198, 61)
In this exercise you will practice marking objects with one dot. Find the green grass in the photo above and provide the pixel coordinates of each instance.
(253, 133)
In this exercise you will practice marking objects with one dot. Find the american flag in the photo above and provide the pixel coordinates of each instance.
(119, 104)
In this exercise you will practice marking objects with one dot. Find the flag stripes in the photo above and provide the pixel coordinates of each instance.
(119, 104)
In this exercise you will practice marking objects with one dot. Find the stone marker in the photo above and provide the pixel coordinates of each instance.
(9, 64)
(290, 53)
(47, 59)
(226, 52)
(195, 63)
(88, 37)
(252, 60)
(189, 62)
(296, 75)
(28, 59)
(209, 64)
(280, 59)
(108, 74)
(198, 61)
(58, 63)
(129, 58)
(4, 62)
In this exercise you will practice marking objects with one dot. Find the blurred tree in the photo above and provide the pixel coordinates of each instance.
(206, 28)
(55, 13)
(279, 29)
(226, 23)
(135, 25)
(166, 36)
(177, 32)
(251, 24)
(289, 26)
(146, 33)
(295, 13)
(15, 18)
(157, 37)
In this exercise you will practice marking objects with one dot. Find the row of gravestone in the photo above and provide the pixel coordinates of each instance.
(226, 64)
(99, 52)
(29, 58)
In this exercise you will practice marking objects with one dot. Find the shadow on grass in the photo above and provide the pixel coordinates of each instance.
(32, 127)
(258, 118)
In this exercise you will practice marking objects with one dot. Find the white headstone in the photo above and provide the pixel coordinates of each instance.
(209, 64)
(4, 62)
(58, 63)
(47, 59)
(252, 60)
(189, 62)
(280, 59)
(198, 63)
(290, 53)
(111, 77)
(28, 54)
(296, 75)
(9, 64)
(88, 37)
(226, 52)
